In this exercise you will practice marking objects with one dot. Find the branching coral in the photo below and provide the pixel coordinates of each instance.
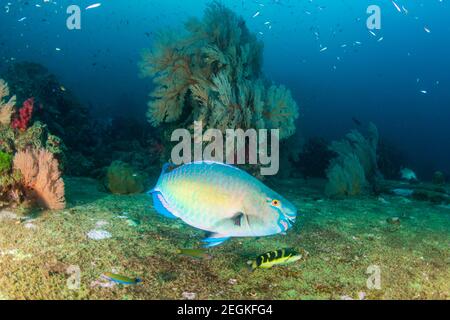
(23, 119)
(212, 73)
(41, 175)
(356, 164)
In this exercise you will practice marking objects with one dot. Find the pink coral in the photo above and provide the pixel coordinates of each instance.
(25, 113)
(42, 177)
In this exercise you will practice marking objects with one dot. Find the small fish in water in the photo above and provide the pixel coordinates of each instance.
(408, 174)
(396, 6)
(273, 258)
(93, 6)
(120, 279)
(395, 220)
(223, 200)
(194, 253)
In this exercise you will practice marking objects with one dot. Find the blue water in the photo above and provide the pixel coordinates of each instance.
(372, 81)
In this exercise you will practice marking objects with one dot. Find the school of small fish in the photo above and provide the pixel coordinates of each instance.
(265, 10)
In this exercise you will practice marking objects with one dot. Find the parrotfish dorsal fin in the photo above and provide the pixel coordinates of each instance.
(167, 167)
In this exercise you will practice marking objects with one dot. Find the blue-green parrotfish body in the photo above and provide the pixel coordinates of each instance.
(223, 200)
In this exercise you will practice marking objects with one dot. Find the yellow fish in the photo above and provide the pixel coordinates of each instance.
(194, 253)
(276, 257)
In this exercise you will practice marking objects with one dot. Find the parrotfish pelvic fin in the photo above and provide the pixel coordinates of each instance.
(161, 205)
(215, 239)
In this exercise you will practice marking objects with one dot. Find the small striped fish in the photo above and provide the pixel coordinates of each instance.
(276, 257)
(223, 200)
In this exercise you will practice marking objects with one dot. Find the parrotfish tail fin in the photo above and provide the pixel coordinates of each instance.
(214, 239)
(161, 205)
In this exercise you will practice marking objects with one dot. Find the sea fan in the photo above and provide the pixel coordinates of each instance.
(355, 165)
(345, 176)
(213, 71)
(42, 177)
(281, 111)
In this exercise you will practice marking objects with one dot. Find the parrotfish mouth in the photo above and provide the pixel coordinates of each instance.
(287, 218)
(285, 225)
(285, 222)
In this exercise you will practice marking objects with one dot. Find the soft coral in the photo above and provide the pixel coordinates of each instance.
(23, 119)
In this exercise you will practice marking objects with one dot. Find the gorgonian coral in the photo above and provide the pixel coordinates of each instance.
(35, 173)
(41, 176)
(355, 165)
(212, 73)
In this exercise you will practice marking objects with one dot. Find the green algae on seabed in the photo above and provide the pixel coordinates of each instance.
(343, 238)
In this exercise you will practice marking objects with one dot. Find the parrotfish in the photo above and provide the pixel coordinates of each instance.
(223, 200)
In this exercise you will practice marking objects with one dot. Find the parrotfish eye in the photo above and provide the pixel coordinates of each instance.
(275, 203)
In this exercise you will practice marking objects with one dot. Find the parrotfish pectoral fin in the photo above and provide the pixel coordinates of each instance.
(161, 205)
(237, 219)
(215, 239)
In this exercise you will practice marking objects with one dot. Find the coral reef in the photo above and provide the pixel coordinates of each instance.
(41, 177)
(55, 106)
(23, 119)
(212, 73)
(355, 166)
(34, 151)
(122, 178)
